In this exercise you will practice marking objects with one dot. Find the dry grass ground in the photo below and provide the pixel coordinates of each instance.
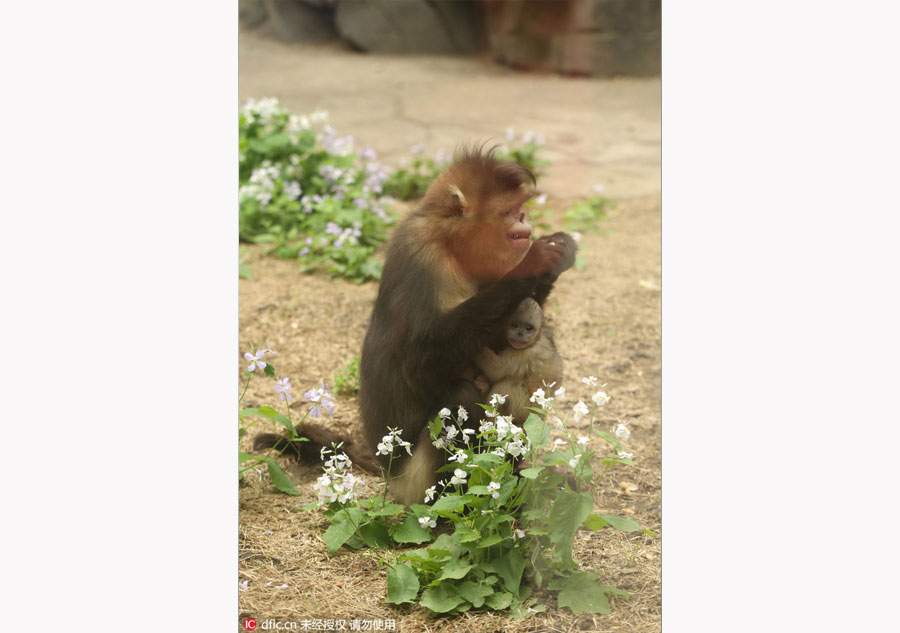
(607, 320)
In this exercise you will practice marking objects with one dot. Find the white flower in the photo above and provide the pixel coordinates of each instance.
(598, 188)
(559, 443)
(573, 463)
(427, 521)
(466, 433)
(459, 477)
(622, 432)
(542, 401)
(462, 414)
(580, 410)
(429, 494)
(494, 485)
(582, 441)
(460, 456)
(518, 534)
(559, 423)
(497, 399)
(624, 455)
(451, 431)
(444, 413)
(591, 381)
(600, 398)
(560, 393)
(499, 451)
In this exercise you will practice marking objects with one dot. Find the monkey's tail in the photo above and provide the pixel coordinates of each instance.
(318, 437)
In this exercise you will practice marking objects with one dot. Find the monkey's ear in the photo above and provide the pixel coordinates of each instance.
(458, 202)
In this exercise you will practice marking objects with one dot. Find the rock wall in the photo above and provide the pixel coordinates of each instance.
(576, 37)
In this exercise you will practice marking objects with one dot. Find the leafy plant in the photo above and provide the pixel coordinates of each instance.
(346, 383)
(524, 150)
(411, 180)
(586, 216)
(305, 191)
(320, 400)
(509, 505)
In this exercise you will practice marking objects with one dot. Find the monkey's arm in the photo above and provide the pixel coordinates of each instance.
(491, 365)
(569, 248)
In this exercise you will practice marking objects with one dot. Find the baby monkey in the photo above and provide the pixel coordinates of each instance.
(527, 364)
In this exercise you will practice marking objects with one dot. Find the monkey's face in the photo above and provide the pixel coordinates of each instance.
(494, 240)
(521, 333)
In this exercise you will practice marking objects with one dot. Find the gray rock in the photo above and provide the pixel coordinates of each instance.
(409, 26)
(296, 21)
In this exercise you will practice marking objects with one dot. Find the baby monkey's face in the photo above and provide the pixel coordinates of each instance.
(521, 333)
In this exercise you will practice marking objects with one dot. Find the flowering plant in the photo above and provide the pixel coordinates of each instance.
(507, 495)
(411, 180)
(309, 192)
(260, 361)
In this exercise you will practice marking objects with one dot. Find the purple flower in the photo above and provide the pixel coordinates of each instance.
(321, 399)
(283, 386)
(256, 359)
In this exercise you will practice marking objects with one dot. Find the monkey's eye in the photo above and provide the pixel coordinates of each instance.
(513, 324)
(529, 328)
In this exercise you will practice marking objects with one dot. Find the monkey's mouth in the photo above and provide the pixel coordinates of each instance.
(519, 240)
(517, 343)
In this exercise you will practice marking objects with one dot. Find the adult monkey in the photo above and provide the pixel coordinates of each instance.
(456, 269)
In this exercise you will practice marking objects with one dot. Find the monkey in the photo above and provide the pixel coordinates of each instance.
(455, 270)
(530, 361)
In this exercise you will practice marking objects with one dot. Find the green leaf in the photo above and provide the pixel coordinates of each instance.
(531, 473)
(474, 592)
(279, 478)
(509, 568)
(341, 529)
(455, 569)
(247, 413)
(244, 271)
(410, 531)
(243, 457)
(269, 370)
(499, 601)
(435, 427)
(595, 522)
(493, 539)
(611, 439)
(537, 430)
(465, 533)
(626, 524)
(583, 594)
(389, 509)
(568, 512)
(402, 584)
(486, 460)
(448, 502)
(375, 535)
(441, 599)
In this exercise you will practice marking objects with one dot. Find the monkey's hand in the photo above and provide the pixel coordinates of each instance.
(549, 255)
(567, 248)
(483, 384)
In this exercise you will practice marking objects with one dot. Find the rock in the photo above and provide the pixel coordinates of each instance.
(411, 26)
(296, 21)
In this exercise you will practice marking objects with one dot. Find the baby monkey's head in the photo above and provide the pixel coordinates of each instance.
(525, 324)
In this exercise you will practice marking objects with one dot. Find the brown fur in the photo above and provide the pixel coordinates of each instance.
(456, 268)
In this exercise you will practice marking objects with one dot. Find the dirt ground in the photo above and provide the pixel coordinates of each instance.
(607, 316)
